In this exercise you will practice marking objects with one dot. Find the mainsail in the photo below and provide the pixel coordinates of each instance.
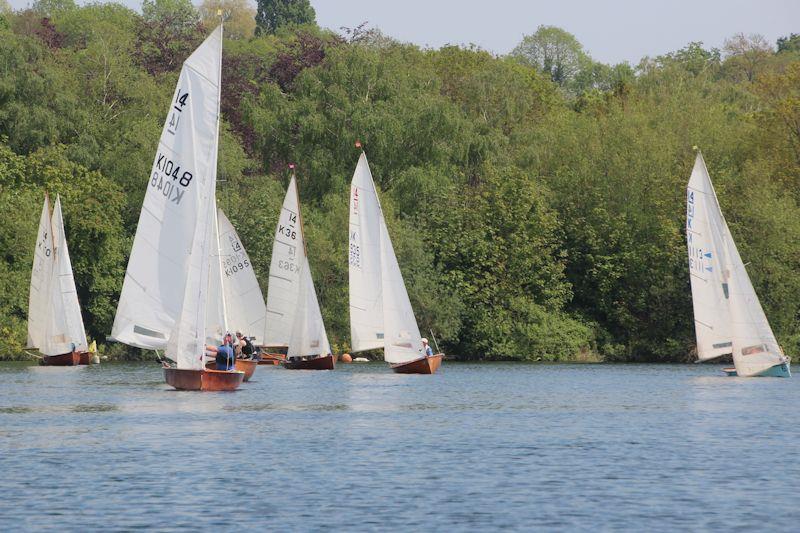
(165, 290)
(244, 302)
(366, 287)
(729, 318)
(284, 271)
(64, 327)
(380, 310)
(39, 296)
(709, 269)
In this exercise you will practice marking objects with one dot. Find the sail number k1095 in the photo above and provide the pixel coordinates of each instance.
(169, 179)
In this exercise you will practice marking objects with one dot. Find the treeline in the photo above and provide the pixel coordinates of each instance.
(536, 201)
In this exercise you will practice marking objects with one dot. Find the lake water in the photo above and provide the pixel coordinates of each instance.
(475, 447)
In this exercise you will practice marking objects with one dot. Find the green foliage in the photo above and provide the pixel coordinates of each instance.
(789, 44)
(536, 202)
(272, 15)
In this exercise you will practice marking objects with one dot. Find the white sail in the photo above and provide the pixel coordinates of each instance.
(366, 289)
(284, 272)
(217, 323)
(308, 331)
(39, 295)
(402, 342)
(755, 348)
(709, 268)
(244, 302)
(176, 207)
(728, 315)
(64, 331)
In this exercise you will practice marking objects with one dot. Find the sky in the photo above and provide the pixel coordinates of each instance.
(611, 31)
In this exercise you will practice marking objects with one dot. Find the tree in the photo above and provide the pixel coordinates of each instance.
(273, 14)
(50, 8)
(746, 54)
(553, 51)
(789, 44)
(239, 16)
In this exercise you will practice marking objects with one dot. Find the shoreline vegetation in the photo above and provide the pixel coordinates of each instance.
(536, 201)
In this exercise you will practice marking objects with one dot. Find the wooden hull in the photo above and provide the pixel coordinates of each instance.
(247, 366)
(64, 359)
(270, 362)
(325, 362)
(203, 380)
(423, 365)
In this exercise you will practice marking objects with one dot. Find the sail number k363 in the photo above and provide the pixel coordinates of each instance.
(169, 179)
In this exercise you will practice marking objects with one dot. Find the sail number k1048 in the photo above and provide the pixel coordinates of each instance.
(169, 179)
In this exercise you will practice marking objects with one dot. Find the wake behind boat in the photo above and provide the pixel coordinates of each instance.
(380, 310)
(728, 316)
(171, 296)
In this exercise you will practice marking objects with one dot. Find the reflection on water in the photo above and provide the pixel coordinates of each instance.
(484, 446)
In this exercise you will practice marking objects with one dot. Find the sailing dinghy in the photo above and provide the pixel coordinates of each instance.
(55, 324)
(380, 311)
(728, 316)
(294, 320)
(170, 299)
(244, 306)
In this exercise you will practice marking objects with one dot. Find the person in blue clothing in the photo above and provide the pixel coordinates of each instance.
(224, 358)
(427, 349)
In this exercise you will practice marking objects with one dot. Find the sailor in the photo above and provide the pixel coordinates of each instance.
(224, 352)
(427, 349)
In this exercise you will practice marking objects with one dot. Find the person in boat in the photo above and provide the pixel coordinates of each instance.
(427, 349)
(247, 349)
(224, 353)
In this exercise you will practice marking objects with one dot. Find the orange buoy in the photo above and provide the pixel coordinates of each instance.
(345, 358)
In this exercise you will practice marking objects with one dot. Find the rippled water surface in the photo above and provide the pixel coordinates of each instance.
(477, 446)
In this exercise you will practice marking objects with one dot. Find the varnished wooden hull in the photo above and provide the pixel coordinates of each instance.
(64, 359)
(203, 380)
(325, 362)
(423, 365)
(247, 366)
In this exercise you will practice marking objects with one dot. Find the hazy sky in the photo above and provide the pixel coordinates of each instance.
(610, 30)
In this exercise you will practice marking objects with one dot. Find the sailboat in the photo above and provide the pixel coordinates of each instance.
(380, 311)
(294, 320)
(169, 296)
(234, 283)
(728, 316)
(55, 324)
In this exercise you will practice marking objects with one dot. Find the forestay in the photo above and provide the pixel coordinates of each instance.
(283, 290)
(39, 295)
(64, 330)
(174, 222)
(366, 288)
(244, 302)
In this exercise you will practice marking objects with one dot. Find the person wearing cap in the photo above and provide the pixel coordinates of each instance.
(224, 353)
(428, 350)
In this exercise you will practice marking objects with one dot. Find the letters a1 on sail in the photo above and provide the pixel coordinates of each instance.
(39, 296)
(153, 290)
